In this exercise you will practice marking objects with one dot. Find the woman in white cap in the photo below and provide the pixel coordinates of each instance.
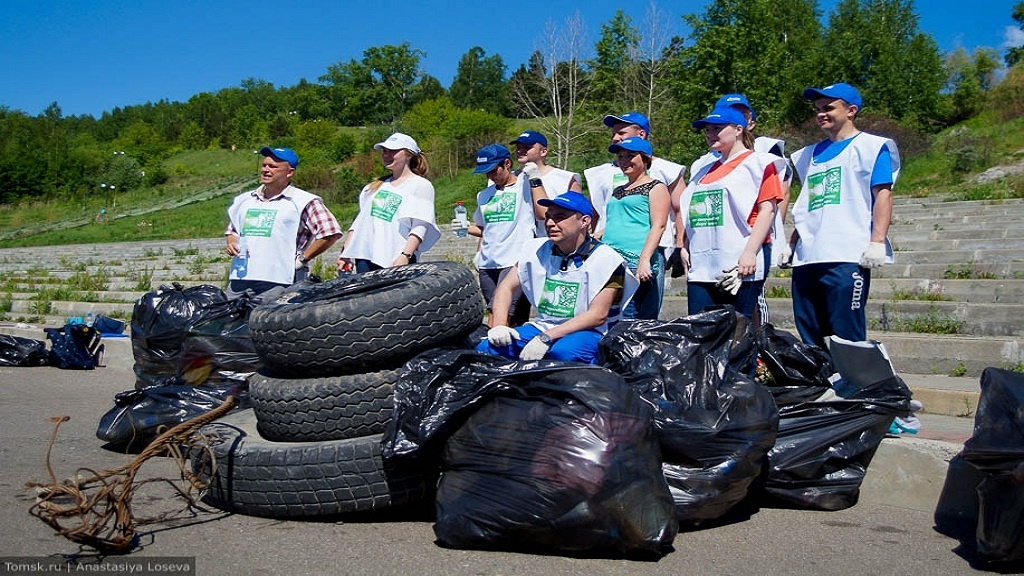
(727, 211)
(396, 223)
(637, 214)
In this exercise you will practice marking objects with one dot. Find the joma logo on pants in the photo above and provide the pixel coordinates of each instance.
(858, 290)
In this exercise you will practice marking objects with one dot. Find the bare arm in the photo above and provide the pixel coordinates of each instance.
(659, 202)
(759, 232)
(504, 293)
(881, 215)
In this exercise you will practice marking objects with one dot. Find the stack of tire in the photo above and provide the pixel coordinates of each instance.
(332, 352)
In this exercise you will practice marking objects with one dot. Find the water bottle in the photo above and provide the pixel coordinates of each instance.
(239, 264)
(461, 216)
(89, 319)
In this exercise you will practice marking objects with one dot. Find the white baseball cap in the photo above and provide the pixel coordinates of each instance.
(398, 141)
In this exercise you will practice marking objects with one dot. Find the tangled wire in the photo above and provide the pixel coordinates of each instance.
(95, 508)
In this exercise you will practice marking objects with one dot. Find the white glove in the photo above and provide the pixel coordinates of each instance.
(501, 336)
(534, 349)
(531, 171)
(299, 262)
(786, 256)
(729, 281)
(873, 256)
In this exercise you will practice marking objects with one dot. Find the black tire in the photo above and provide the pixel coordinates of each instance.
(318, 409)
(250, 475)
(365, 322)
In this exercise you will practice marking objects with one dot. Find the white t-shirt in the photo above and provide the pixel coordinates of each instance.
(506, 217)
(388, 215)
(556, 183)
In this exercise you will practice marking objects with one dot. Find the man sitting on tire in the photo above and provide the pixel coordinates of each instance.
(577, 284)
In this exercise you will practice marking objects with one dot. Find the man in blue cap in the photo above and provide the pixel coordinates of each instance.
(544, 181)
(578, 285)
(841, 218)
(276, 229)
(503, 221)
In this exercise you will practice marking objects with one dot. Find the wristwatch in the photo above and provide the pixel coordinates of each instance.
(536, 182)
(544, 338)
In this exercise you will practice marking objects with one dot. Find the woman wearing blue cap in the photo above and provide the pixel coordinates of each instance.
(727, 212)
(395, 224)
(637, 214)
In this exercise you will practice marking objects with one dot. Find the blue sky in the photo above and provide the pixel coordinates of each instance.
(92, 55)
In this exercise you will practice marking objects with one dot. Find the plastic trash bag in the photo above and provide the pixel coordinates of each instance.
(159, 322)
(996, 449)
(217, 347)
(799, 371)
(138, 416)
(714, 424)
(534, 455)
(823, 449)
(75, 347)
(18, 351)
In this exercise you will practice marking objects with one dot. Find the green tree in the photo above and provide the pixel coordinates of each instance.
(315, 134)
(876, 46)
(527, 86)
(376, 90)
(970, 77)
(761, 48)
(480, 82)
(1015, 54)
(613, 56)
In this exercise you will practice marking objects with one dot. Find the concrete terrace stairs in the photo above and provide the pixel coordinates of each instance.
(966, 258)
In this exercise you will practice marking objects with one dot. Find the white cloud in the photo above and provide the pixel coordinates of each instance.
(1013, 37)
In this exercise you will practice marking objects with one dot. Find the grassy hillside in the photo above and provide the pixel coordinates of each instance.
(192, 203)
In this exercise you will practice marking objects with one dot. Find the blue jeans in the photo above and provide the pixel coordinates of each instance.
(579, 346)
(829, 298)
(646, 302)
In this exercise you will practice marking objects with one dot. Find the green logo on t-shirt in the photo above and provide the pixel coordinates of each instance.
(385, 205)
(258, 222)
(824, 187)
(706, 209)
(500, 208)
(559, 298)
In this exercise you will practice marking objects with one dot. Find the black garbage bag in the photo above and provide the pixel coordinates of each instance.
(138, 416)
(217, 347)
(75, 347)
(996, 448)
(546, 455)
(159, 323)
(799, 371)
(714, 424)
(18, 351)
(824, 448)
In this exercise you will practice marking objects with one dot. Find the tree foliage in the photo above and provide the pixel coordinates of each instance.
(480, 82)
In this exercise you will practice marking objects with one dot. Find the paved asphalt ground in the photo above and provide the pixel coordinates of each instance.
(866, 539)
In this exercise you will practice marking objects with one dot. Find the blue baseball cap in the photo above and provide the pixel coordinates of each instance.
(530, 137)
(629, 118)
(633, 144)
(839, 90)
(490, 157)
(722, 115)
(283, 154)
(736, 100)
(570, 201)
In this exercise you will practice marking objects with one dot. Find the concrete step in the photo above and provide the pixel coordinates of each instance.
(923, 244)
(997, 320)
(959, 257)
(976, 291)
(964, 269)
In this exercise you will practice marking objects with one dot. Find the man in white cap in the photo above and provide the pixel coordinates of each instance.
(841, 218)
(276, 229)
(544, 181)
